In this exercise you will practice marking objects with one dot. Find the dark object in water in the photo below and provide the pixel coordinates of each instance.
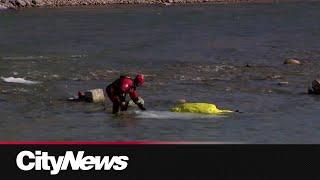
(310, 91)
(283, 83)
(315, 87)
(93, 95)
(80, 97)
(238, 111)
(74, 99)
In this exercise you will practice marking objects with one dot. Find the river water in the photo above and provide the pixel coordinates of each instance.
(193, 52)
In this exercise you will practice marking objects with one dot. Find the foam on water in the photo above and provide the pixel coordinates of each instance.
(172, 115)
(18, 80)
(23, 57)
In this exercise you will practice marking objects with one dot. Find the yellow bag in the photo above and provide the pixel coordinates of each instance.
(204, 108)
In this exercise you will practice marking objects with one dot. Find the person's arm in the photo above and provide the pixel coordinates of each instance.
(137, 100)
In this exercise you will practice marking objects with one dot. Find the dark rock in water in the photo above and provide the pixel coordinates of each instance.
(315, 89)
(316, 86)
(291, 61)
(310, 91)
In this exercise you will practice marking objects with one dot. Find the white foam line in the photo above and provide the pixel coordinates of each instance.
(18, 80)
(172, 115)
(23, 57)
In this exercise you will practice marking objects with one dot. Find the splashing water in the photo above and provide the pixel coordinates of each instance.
(172, 115)
(18, 80)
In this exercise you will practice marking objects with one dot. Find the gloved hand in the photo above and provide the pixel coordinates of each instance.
(140, 103)
(141, 107)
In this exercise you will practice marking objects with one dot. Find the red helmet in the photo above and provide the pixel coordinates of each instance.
(139, 80)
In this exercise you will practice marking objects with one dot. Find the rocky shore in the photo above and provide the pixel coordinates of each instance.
(17, 4)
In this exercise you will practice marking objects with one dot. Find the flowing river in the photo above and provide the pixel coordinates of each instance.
(195, 52)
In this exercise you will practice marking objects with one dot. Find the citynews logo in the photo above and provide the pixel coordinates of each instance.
(27, 160)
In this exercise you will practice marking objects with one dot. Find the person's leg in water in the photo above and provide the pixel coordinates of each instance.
(115, 107)
(114, 99)
(124, 106)
(120, 105)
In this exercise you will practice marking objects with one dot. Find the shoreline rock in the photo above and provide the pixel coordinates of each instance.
(18, 4)
(3, 7)
(292, 61)
(7, 4)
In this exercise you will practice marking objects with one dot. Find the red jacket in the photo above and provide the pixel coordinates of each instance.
(121, 87)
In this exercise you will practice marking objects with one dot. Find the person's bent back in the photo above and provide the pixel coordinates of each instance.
(118, 90)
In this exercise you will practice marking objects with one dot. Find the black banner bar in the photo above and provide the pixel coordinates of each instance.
(176, 161)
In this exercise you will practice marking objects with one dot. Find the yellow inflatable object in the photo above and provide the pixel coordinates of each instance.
(203, 108)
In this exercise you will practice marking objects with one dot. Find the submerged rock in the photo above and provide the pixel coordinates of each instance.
(315, 87)
(291, 61)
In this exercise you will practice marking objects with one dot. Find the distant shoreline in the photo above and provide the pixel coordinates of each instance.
(20, 4)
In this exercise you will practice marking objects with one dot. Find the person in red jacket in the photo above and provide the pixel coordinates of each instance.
(118, 90)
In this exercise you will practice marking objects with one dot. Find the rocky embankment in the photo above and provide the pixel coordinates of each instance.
(17, 4)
